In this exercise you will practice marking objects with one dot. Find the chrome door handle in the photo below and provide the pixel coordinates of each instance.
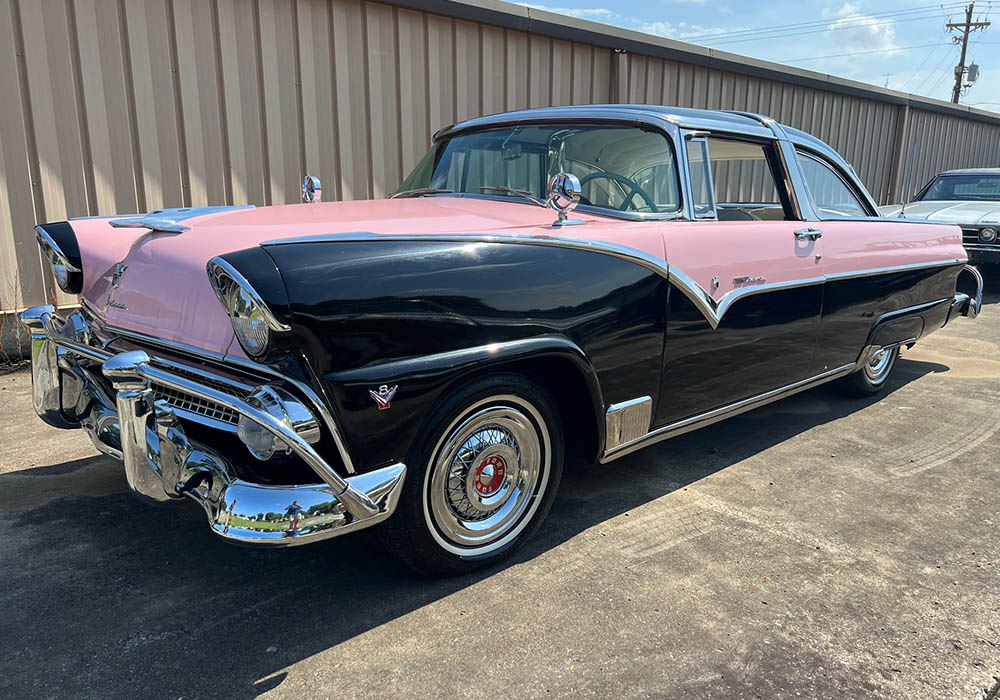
(808, 234)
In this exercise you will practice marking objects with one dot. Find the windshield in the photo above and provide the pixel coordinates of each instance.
(963, 187)
(621, 169)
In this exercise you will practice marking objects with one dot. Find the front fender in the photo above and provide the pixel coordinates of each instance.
(421, 315)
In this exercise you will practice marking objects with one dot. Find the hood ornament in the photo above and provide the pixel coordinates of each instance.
(312, 190)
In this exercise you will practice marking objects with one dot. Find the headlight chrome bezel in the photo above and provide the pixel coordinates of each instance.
(988, 234)
(242, 302)
(68, 277)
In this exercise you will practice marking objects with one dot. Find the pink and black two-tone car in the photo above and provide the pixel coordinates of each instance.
(584, 280)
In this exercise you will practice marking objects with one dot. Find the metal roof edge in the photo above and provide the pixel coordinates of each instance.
(528, 19)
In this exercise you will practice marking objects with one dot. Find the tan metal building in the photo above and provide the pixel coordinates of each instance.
(119, 106)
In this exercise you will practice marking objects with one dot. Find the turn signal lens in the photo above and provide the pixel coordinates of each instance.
(260, 441)
(988, 235)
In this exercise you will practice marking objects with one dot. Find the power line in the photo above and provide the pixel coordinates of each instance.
(967, 28)
(938, 67)
(861, 53)
(816, 23)
(922, 64)
(860, 23)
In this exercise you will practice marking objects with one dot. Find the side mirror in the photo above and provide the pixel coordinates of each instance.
(312, 190)
(563, 196)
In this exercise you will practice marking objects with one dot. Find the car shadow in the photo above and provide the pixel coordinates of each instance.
(102, 592)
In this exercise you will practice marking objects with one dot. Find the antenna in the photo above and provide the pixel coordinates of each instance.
(909, 170)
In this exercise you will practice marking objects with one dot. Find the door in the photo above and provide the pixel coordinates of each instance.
(746, 284)
(874, 267)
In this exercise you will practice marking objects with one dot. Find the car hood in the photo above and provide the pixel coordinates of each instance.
(155, 283)
(961, 213)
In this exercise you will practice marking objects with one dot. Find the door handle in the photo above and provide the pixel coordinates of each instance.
(808, 234)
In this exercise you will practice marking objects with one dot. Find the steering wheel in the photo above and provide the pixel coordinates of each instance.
(631, 186)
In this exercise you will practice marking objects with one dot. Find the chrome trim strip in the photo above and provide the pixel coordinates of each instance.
(707, 418)
(657, 265)
(714, 310)
(896, 268)
(219, 267)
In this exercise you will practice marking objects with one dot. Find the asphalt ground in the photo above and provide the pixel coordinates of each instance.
(821, 547)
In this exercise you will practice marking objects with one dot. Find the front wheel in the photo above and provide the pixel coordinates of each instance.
(872, 376)
(482, 478)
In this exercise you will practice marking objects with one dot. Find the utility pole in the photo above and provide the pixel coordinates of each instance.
(967, 28)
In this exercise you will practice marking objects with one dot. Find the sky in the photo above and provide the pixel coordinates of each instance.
(904, 45)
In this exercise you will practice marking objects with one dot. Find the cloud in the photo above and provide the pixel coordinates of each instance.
(668, 30)
(856, 31)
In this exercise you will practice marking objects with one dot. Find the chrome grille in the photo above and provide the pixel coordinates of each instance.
(193, 404)
(970, 235)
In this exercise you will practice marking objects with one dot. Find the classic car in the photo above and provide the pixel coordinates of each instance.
(969, 198)
(580, 281)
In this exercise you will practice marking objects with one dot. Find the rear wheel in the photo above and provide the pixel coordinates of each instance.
(481, 479)
(872, 376)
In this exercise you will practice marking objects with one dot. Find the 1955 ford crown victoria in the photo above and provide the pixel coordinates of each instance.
(578, 279)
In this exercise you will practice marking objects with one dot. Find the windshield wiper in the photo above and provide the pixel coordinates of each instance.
(510, 190)
(419, 192)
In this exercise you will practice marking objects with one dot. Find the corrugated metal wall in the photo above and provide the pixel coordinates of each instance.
(128, 105)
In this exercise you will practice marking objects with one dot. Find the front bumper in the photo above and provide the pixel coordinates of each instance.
(139, 427)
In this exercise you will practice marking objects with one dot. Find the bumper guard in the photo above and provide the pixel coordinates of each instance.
(162, 464)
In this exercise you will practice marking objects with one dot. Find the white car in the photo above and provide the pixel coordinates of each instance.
(969, 198)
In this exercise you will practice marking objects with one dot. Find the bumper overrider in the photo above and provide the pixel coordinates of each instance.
(969, 296)
(136, 426)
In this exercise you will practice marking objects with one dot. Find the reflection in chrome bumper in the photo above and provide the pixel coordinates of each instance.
(162, 464)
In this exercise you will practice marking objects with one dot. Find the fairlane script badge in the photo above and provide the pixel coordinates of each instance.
(741, 281)
(383, 396)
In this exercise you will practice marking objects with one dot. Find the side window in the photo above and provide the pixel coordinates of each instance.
(744, 181)
(830, 195)
(702, 195)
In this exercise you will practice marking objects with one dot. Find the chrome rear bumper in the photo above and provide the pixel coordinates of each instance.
(163, 464)
(969, 301)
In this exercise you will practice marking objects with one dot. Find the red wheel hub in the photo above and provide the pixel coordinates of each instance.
(490, 475)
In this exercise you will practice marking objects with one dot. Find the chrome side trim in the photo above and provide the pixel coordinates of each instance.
(219, 268)
(715, 415)
(896, 268)
(657, 265)
(628, 421)
(715, 310)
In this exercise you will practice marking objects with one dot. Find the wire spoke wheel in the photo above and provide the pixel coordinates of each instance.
(487, 475)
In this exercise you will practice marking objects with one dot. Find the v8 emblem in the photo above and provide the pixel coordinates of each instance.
(383, 396)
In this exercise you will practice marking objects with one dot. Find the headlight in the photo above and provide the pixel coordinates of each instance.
(53, 239)
(252, 321)
(988, 235)
(248, 322)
